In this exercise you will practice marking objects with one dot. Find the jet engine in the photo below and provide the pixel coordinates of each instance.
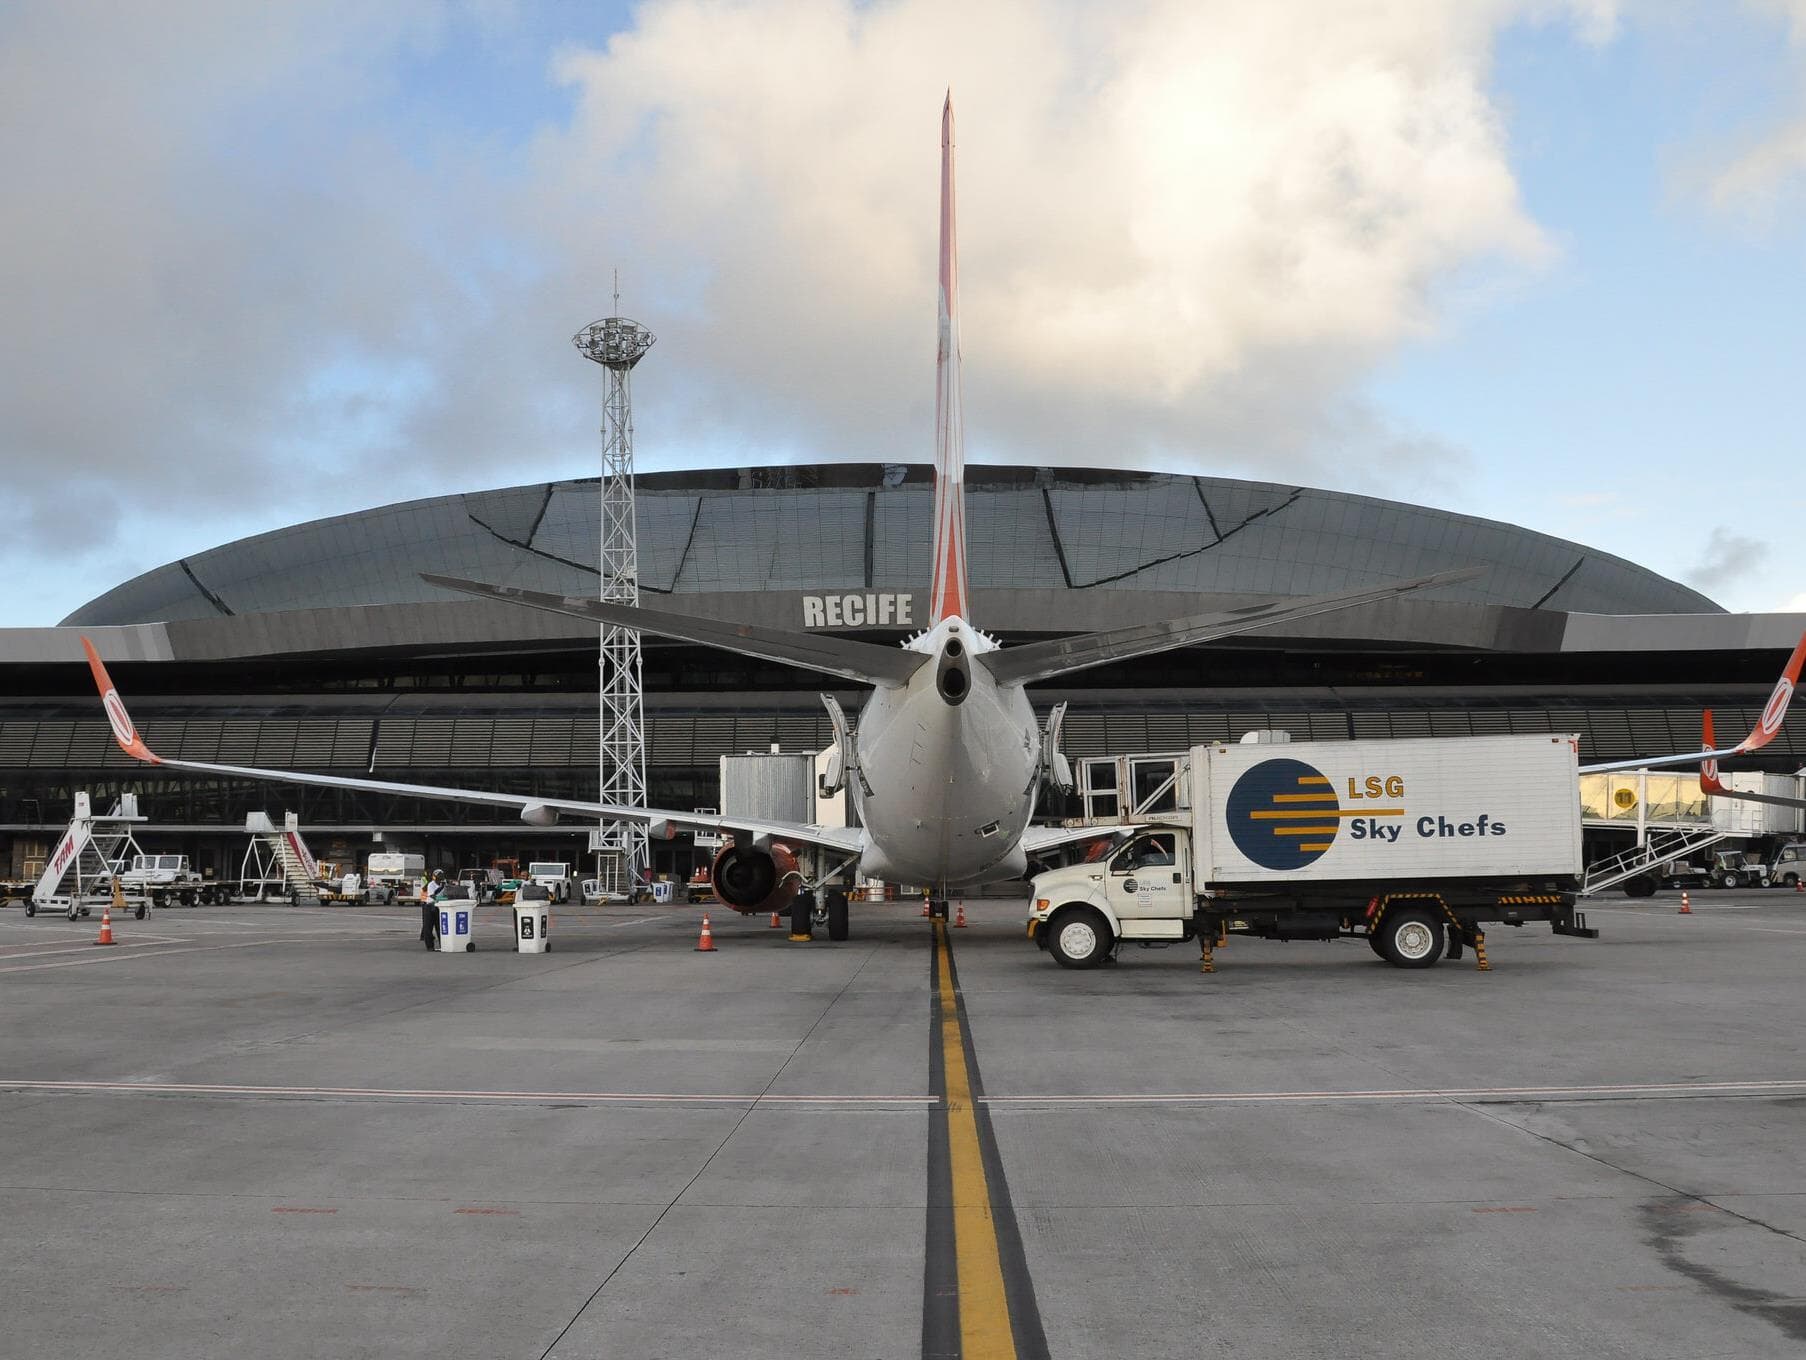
(750, 879)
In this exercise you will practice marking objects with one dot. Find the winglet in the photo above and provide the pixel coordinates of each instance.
(1768, 726)
(1708, 768)
(123, 731)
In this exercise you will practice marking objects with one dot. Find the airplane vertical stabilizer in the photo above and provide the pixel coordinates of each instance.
(947, 598)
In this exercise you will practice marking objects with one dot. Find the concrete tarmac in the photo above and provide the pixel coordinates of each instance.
(294, 1132)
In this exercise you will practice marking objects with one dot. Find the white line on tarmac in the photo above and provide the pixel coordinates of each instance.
(1642, 1090)
(151, 954)
(1661, 1090)
(498, 1097)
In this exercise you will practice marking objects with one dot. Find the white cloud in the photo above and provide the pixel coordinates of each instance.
(238, 277)
(1726, 559)
(1753, 176)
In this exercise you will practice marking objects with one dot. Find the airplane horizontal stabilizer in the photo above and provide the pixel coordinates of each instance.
(1043, 660)
(865, 662)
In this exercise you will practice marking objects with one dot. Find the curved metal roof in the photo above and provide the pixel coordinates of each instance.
(865, 526)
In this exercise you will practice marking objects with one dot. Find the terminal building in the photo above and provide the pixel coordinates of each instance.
(319, 647)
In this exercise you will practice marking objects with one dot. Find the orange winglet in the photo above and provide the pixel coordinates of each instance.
(123, 731)
(1708, 769)
(1768, 726)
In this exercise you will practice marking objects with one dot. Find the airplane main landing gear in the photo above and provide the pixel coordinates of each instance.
(802, 916)
(837, 913)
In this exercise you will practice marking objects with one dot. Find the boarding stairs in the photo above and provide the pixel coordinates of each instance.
(1658, 849)
(277, 861)
(94, 851)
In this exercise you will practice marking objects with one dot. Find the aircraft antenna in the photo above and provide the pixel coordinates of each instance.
(618, 344)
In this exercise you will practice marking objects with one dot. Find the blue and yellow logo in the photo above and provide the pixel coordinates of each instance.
(1283, 814)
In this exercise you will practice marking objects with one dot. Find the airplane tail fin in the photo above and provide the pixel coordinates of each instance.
(947, 595)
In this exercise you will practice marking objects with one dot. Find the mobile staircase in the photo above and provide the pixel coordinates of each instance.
(278, 863)
(1661, 846)
(93, 852)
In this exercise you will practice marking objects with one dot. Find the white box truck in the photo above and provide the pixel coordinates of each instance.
(391, 876)
(1412, 845)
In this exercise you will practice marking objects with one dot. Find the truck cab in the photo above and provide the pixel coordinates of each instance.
(1139, 889)
(1788, 867)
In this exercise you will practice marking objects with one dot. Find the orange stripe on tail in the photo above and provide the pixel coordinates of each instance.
(947, 596)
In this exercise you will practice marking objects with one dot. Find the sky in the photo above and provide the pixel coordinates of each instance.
(1526, 259)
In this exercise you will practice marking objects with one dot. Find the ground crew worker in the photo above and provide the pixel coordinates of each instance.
(429, 908)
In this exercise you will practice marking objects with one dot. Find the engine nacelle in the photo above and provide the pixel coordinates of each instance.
(538, 814)
(750, 879)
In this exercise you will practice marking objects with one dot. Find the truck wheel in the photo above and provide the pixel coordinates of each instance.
(187, 898)
(1079, 937)
(1411, 938)
(1373, 943)
(1731, 879)
(837, 915)
(31, 907)
(1640, 887)
(139, 913)
(1788, 880)
(159, 900)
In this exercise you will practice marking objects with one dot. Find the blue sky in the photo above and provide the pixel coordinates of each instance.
(1534, 261)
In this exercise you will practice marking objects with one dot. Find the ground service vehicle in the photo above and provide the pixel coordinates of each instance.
(1412, 844)
(483, 883)
(168, 878)
(1788, 866)
(554, 877)
(390, 874)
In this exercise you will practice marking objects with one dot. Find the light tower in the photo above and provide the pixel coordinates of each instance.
(618, 344)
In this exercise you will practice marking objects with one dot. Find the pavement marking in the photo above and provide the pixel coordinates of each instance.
(993, 1297)
(149, 953)
(403, 1094)
(1473, 1094)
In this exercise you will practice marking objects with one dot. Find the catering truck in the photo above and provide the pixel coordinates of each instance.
(1411, 845)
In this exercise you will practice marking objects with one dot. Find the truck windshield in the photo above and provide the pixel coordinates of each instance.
(1146, 852)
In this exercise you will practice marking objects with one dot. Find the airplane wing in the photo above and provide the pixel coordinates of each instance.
(1708, 777)
(865, 662)
(1043, 660)
(539, 811)
(1767, 727)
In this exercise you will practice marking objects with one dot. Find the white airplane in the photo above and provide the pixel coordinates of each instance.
(948, 760)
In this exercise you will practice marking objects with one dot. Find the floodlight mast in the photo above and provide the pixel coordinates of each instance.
(618, 344)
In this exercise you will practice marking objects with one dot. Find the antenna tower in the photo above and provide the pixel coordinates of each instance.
(618, 344)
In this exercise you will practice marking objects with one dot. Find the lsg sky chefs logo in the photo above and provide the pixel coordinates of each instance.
(1284, 814)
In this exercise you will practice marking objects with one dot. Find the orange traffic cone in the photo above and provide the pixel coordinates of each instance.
(775, 923)
(925, 912)
(959, 921)
(106, 917)
(1686, 906)
(1799, 885)
(705, 943)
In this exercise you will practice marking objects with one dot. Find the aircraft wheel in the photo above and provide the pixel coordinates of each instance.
(1079, 937)
(802, 914)
(837, 914)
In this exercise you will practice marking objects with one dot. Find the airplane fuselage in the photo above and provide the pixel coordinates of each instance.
(952, 780)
